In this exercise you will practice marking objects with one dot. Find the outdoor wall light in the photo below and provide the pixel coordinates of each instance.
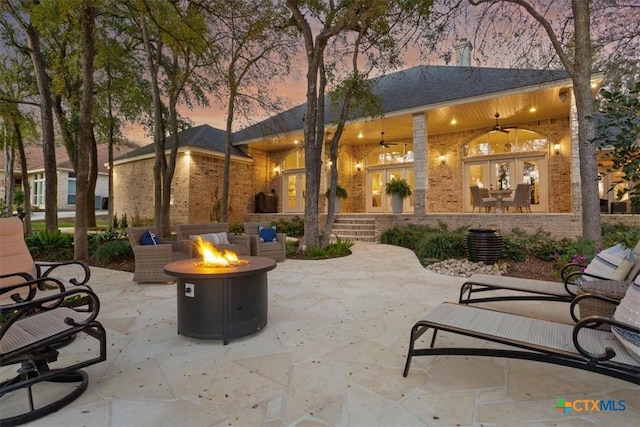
(556, 148)
(358, 166)
(329, 164)
(443, 159)
(276, 170)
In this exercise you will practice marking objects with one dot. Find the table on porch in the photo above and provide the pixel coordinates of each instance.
(500, 195)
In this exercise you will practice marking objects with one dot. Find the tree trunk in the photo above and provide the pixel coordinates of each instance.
(591, 220)
(224, 208)
(9, 154)
(85, 140)
(26, 188)
(48, 141)
(93, 178)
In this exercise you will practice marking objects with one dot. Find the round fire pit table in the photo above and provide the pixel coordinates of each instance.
(221, 302)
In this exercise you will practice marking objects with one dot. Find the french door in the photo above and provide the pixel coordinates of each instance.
(295, 191)
(377, 201)
(507, 173)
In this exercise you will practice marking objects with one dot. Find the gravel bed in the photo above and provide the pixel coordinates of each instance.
(465, 268)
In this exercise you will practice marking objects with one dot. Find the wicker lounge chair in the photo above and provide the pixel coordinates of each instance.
(151, 259)
(578, 346)
(275, 250)
(492, 288)
(30, 339)
(241, 245)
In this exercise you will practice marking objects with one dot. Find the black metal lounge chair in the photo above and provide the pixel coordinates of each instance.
(18, 265)
(492, 287)
(578, 346)
(30, 338)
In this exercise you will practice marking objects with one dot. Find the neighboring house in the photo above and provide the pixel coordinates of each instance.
(66, 176)
(444, 129)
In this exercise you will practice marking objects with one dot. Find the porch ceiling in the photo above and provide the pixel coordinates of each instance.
(514, 109)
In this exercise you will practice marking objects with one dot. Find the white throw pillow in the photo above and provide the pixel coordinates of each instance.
(612, 263)
(216, 239)
(628, 312)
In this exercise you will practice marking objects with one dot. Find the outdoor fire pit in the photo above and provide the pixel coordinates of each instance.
(221, 301)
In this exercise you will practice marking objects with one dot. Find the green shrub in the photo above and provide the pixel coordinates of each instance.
(619, 233)
(50, 246)
(441, 246)
(236, 228)
(291, 246)
(113, 251)
(339, 247)
(124, 222)
(316, 253)
(292, 228)
(4, 210)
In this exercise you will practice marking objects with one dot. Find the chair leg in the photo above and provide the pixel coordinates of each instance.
(28, 375)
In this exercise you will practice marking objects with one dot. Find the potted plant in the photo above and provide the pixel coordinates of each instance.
(341, 193)
(399, 190)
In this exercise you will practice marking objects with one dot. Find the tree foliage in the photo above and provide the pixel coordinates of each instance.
(618, 132)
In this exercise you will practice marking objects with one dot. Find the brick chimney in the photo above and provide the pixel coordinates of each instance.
(463, 53)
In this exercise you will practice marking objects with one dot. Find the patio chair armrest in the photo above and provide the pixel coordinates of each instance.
(570, 268)
(242, 240)
(592, 322)
(575, 303)
(45, 268)
(30, 287)
(50, 302)
(574, 277)
(184, 246)
(22, 274)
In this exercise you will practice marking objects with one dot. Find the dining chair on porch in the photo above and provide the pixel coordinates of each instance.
(521, 199)
(481, 202)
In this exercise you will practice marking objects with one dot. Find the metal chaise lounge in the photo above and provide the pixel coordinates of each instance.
(492, 288)
(577, 346)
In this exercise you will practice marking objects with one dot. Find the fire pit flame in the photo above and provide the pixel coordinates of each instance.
(212, 257)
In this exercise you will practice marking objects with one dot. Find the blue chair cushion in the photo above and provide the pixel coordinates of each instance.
(267, 234)
(149, 238)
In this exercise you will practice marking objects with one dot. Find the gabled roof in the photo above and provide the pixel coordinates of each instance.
(422, 86)
(203, 136)
(35, 158)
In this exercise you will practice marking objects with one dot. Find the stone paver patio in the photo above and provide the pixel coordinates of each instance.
(332, 354)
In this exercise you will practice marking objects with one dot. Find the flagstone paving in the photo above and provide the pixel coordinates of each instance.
(331, 354)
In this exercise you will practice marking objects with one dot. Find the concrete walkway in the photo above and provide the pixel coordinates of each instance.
(332, 354)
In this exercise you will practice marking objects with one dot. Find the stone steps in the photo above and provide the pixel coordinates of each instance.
(356, 228)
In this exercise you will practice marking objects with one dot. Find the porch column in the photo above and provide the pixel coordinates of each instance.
(420, 163)
(576, 187)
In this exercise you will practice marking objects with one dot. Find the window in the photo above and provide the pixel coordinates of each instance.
(394, 154)
(71, 189)
(294, 160)
(37, 198)
(499, 143)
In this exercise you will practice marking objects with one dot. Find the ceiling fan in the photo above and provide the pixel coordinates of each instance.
(384, 143)
(498, 127)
